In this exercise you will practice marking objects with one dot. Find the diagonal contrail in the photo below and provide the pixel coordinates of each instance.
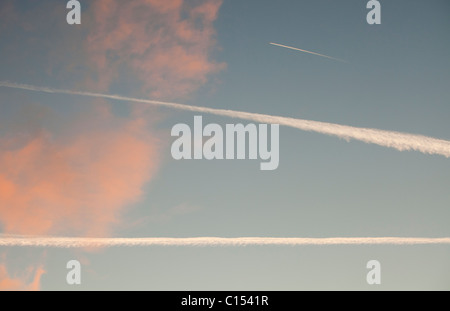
(77, 242)
(305, 51)
(390, 139)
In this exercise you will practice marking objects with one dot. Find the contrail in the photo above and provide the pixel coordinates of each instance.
(391, 139)
(305, 51)
(76, 242)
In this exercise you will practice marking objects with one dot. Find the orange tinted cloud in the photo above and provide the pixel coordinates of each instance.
(162, 48)
(77, 183)
(166, 44)
(22, 283)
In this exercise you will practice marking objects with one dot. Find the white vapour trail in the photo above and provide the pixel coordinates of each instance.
(391, 139)
(71, 242)
(305, 51)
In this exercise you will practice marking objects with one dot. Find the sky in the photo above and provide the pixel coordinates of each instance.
(96, 167)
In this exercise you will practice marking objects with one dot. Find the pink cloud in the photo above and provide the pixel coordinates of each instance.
(79, 179)
(166, 44)
(164, 48)
(30, 281)
(77, 183)
(83, 183)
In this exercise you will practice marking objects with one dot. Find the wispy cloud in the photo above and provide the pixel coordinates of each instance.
(81, 184)
(165, 44)
(391, 139)
(79, 181)
(28, 281)
(160, 48)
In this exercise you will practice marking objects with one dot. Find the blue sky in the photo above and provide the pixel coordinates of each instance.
(396, 78)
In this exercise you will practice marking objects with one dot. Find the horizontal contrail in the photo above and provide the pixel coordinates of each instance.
(305, 51)
(71, 242)
(391, 139)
